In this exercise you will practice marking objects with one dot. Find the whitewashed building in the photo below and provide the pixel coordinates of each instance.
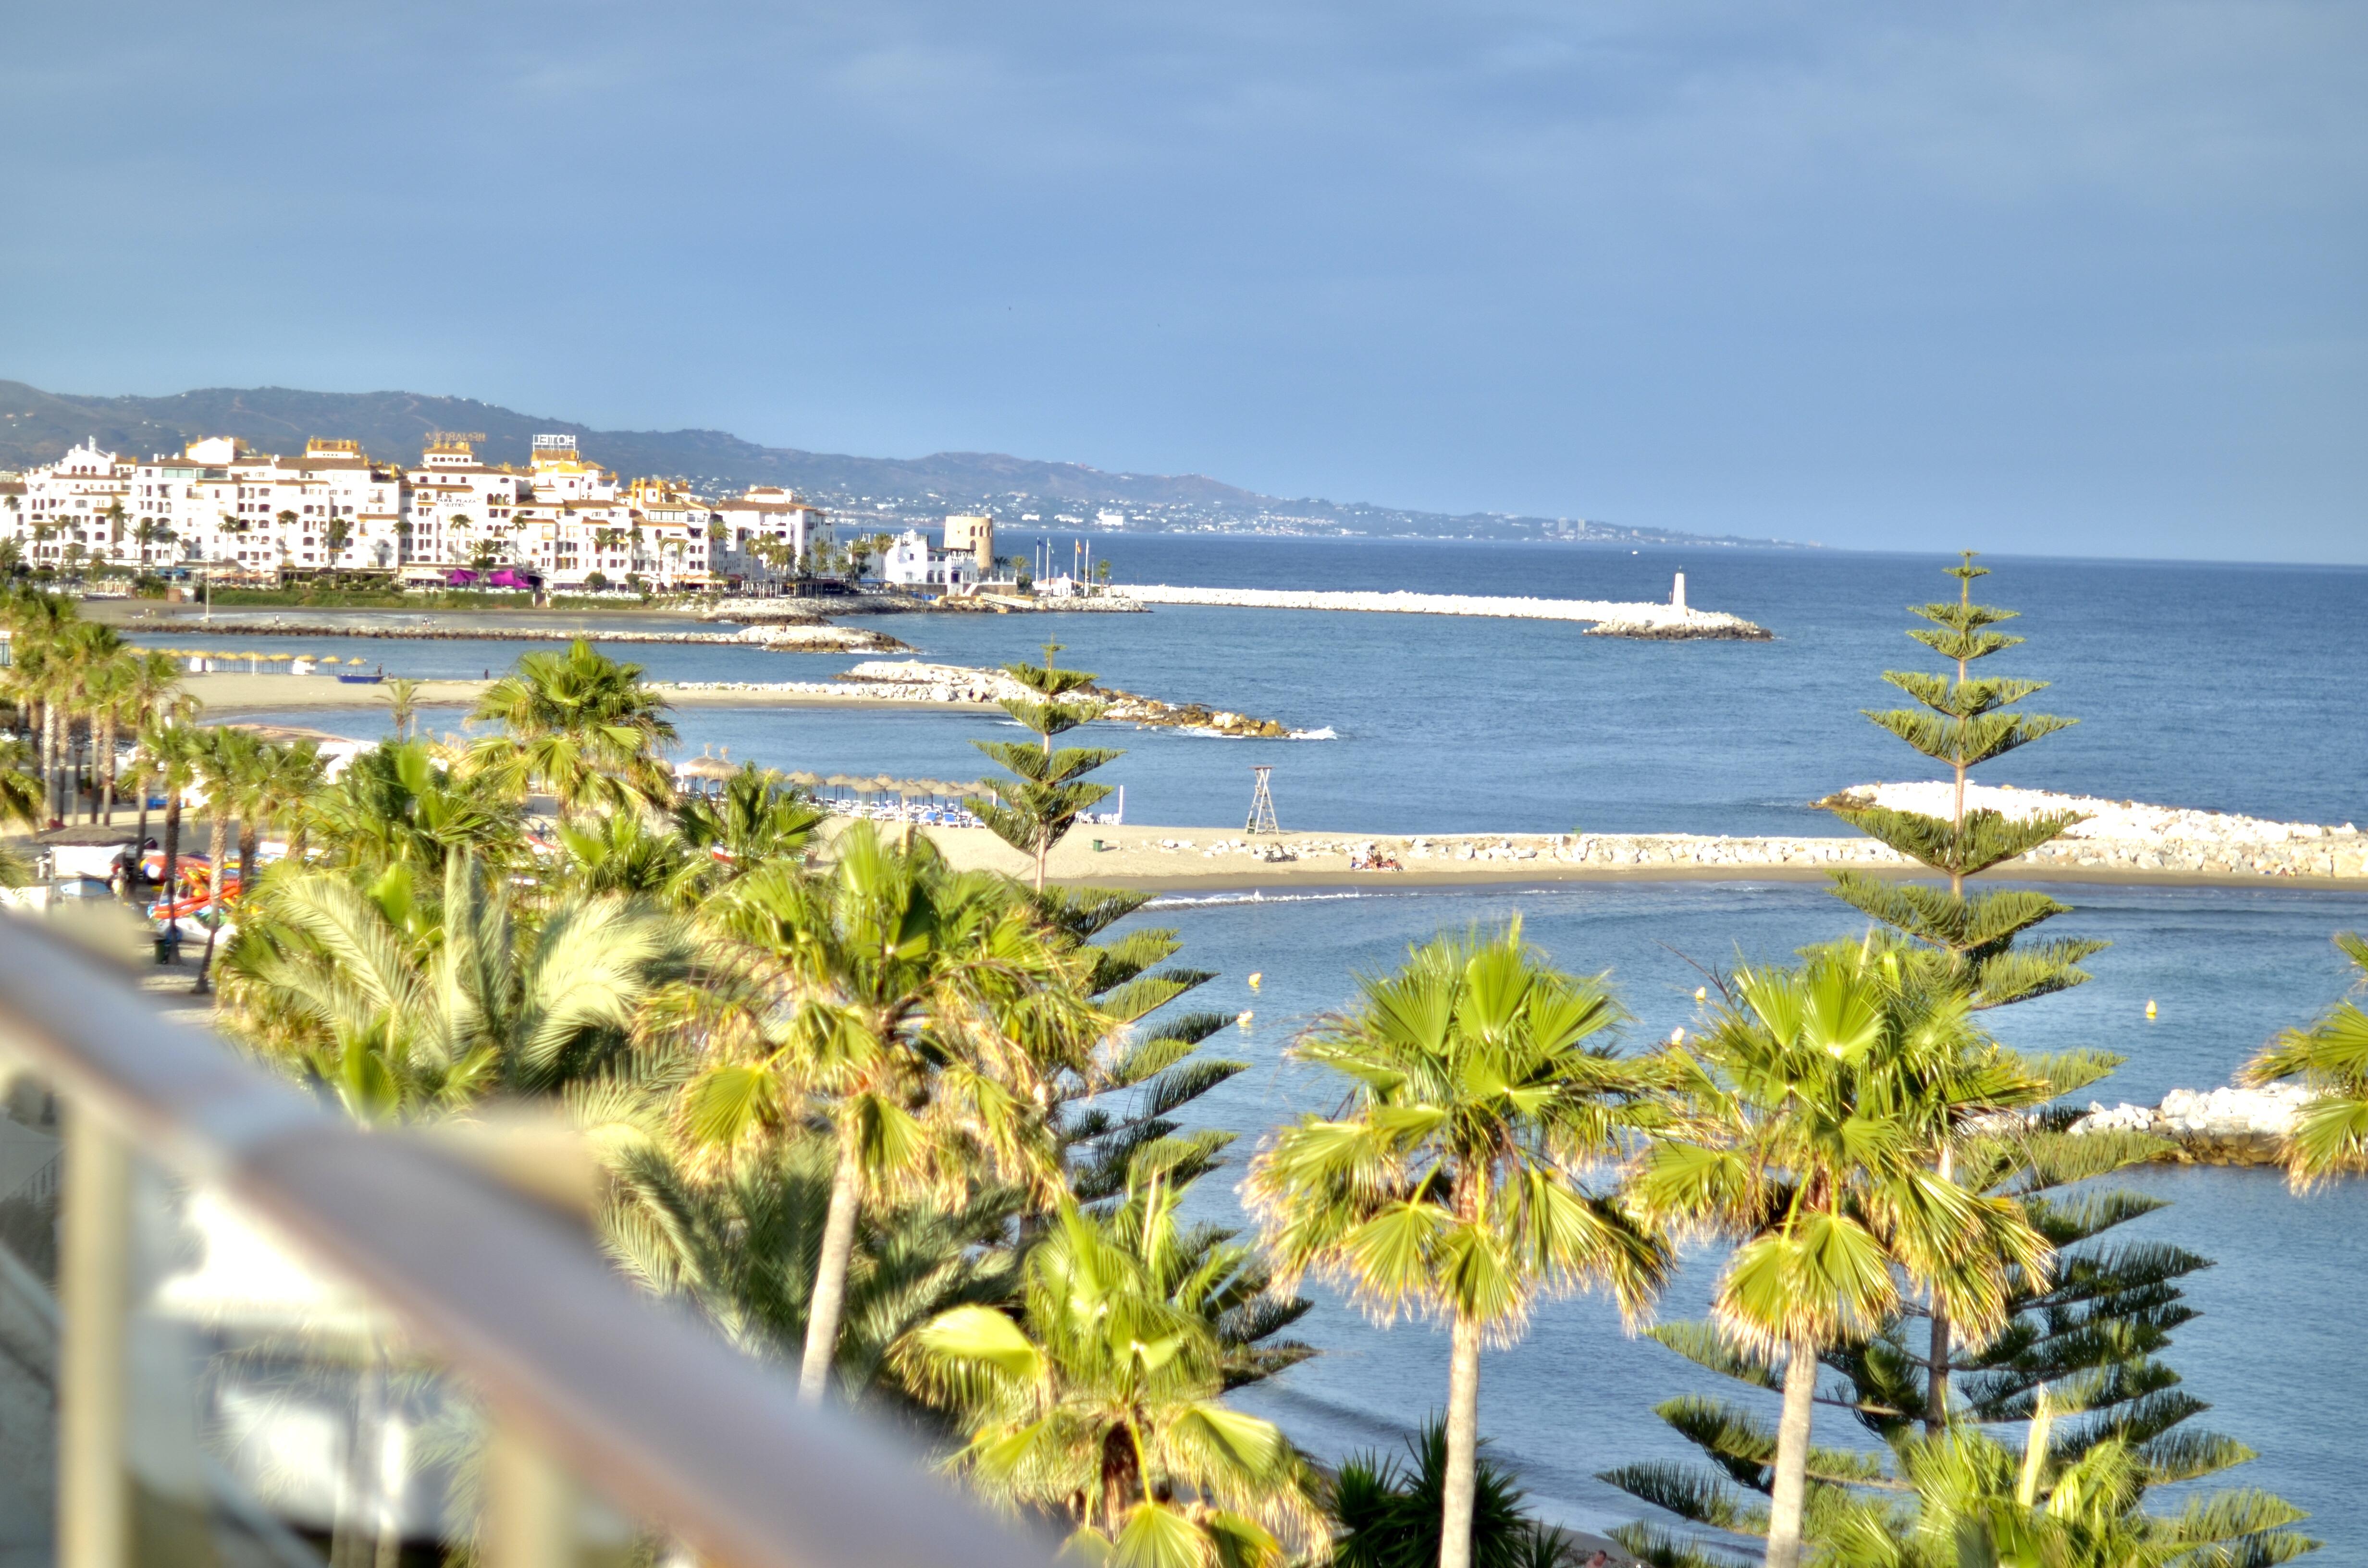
(564, 520)
(912, 562)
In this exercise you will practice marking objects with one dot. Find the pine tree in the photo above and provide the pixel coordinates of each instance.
(1037, 810)
(1963, 722)
(1970, 942)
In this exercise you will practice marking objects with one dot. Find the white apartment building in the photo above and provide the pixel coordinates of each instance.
(565, 518)
(769, 532)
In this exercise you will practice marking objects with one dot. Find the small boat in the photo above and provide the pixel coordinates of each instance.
(360, 680)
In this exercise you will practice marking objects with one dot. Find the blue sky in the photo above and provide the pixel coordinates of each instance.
(2061, 279)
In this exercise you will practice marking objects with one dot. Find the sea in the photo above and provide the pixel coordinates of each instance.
(2228, 688)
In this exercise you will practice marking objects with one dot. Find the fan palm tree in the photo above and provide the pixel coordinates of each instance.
(911, 1011)
(400, 803)
(402, 700)
(1100, 1403)
(1453, 1181)
(1979, 1505)
(223, 760)
(2330, 1133)
(755, 819)
(170, 749)
(405, 1009)
(580, 724)
(742, 1244)
(1815, 1102)
(153, 693)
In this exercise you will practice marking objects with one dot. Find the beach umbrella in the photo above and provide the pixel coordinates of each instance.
(706, 768)
(843, 781)
(887, 784)
(807, 781)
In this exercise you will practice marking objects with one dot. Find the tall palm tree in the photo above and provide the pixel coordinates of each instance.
(92, 681)
(403, 1008)
(1100, 1404)
(400, 803)
(580, 724)
(153, 693)
(756, 818)
(1455, 1181)
(910, 1010)
(2330, 1133)
(224, 760)
(402, 700)
(1814, 1106)
(41, 673)
(171, 748)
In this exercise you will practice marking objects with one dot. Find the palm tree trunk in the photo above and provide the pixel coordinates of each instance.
(221, 848)
(1462, 1442)
(247, 846)
(829, 1300)
(107, 762)
(50, 761)
(1789, 1491)
(172, 850)
(1936, 1381)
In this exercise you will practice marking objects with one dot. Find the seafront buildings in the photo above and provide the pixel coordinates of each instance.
(240, 513)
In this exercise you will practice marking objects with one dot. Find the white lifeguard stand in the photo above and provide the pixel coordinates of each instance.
(1262, 804)
(1678, 593)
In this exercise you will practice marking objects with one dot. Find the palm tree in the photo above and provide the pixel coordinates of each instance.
(170, 748)
(2330, 1133)
(403, 1009)
(754, 819)
(742, 1242)
(1102, 1404)
(403, 699)
(1976, 1502)
(909, 1010)
(580, 724)
(1815, 1104)
(224, 759)
(1453, 1181)
(153, 691)
(400, 804)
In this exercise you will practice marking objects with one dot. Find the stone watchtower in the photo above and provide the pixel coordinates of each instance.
(975, 535)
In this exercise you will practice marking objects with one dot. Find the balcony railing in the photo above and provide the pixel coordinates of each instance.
(588, 1389)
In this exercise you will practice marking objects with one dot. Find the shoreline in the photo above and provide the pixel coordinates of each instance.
(1320, 862)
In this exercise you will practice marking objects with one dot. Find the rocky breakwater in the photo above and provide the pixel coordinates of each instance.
(1657, 622)
(2132, 837)
(2226, 1126)
(911, 680)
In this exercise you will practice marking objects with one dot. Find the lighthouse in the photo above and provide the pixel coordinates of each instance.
(1678, 593)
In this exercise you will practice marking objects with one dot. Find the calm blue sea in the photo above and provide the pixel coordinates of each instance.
(2223, 687)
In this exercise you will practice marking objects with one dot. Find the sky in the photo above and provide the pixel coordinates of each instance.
(2066, 280)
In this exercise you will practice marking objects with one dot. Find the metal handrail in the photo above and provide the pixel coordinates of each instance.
(632, 1396)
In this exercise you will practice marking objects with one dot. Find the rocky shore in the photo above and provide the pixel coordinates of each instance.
(913, 681)
(2132, 835)
(1658, 623)
(2227, 1126)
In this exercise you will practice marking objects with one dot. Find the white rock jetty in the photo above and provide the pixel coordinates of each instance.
(2132, 835)
(1673, 621)
(2227, 1126)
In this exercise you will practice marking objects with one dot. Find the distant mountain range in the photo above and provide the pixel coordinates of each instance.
(37, 427)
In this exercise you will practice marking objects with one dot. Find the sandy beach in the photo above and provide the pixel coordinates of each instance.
(1157, 858)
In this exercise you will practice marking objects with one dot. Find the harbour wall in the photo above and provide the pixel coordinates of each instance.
(1647, 619)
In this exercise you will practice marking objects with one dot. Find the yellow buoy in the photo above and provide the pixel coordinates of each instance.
(2149, 1006)
(1255, 975)
(1244, 1017)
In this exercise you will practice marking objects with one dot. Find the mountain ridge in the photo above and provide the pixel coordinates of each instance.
(37, 427)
